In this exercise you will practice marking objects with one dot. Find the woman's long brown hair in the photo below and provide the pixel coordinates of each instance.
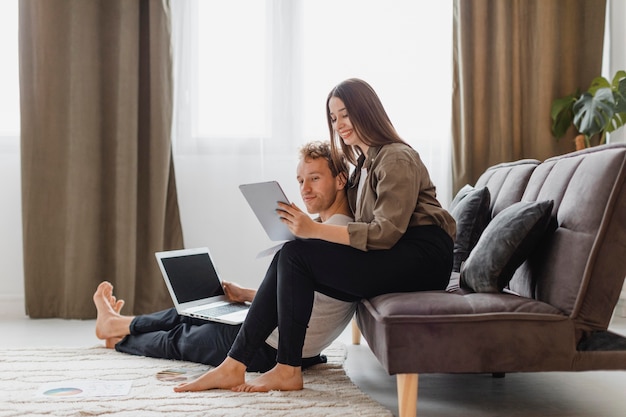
(367, 116)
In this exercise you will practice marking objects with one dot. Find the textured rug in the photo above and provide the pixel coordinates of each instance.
(25, 374)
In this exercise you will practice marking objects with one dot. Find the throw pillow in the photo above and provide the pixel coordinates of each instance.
(463, 192)
(470, 209)
(504, 245)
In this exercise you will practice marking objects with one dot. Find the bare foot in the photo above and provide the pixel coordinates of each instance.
(116, 304)
(280, 378)
(229, 374)
(110, 325)
(110, 342)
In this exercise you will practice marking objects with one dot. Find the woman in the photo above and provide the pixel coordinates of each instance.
(401, 241)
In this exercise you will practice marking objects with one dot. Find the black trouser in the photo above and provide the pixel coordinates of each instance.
(420, 261)
(167, 335)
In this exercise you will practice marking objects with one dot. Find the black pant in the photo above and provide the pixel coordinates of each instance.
(420, 261)
(165, 334)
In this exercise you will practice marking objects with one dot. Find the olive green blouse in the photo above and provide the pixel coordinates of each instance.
(398, 194)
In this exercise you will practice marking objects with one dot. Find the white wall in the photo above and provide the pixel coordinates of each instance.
(215, 214)
(12, 275)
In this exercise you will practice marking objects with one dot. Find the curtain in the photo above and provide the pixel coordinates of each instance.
(615, 57)
(98, 184)
(511, 60)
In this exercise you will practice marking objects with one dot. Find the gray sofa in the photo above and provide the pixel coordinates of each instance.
(551, 313)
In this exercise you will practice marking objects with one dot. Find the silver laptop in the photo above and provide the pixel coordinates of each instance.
(196, 288)
(263, 198)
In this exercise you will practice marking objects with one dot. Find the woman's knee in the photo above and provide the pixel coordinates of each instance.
(311, 249)
(295, 253)
(294, 248)
(294, 264)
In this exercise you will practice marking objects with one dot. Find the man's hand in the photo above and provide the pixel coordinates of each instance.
(238, 294)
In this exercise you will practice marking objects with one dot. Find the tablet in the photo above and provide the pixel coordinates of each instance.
(263, 198)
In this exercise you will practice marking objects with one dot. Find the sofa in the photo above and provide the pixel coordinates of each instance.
(540, 261)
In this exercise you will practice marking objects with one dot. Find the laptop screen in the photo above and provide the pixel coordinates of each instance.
(192, 277)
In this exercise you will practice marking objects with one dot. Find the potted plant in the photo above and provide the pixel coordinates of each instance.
(596, 112)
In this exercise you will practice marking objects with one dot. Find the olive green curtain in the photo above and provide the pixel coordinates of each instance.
(98, 185)
(511, 60)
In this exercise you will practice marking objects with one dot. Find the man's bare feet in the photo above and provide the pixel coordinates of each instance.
(227, 375)
(110, 325)
(280, 378)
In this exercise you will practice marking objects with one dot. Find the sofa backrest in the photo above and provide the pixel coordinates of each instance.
(580, 268)
(506, 182)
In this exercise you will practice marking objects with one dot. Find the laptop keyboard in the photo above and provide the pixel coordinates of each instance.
(222, 310)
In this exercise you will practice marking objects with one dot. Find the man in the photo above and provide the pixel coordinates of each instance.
(165, 334)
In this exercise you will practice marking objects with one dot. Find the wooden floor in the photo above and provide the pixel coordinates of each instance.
(555, 394)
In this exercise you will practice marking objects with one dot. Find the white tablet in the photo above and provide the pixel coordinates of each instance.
(263, 198)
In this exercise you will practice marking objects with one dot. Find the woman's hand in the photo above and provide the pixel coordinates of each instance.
(238, 294)
(300, 224)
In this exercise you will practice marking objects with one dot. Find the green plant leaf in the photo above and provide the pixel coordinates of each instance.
(619, 93)
(619, 76)
(593, 113)
(618, 120)
(562, 115)
(600, 110)
(598, 83)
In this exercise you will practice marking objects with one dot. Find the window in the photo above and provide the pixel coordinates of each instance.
(233, 84)
(402, 48)
(254, 65)
(9, 75)
(252, 76)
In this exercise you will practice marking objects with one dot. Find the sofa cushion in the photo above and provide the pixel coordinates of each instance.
(504, 245)
(470, 209)
(440, 332)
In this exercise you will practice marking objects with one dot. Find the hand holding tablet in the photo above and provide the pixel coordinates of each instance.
(263, 198)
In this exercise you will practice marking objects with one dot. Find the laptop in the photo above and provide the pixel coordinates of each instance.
(196, 288)
(263, 198)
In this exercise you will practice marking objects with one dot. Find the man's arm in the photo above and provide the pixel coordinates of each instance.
(237, 293)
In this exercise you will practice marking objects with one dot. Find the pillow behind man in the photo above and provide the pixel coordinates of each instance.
(470, 209)
(505, 244)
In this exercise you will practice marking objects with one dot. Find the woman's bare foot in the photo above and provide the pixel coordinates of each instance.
(229, 374)
(280, 378)
(110, 325)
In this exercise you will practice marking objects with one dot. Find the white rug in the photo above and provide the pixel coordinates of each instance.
(23, 372)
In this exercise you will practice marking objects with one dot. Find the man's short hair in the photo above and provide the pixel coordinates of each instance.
(321, 149)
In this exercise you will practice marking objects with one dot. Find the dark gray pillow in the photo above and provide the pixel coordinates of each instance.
(504, 245)
(463, 192)
(470, 209)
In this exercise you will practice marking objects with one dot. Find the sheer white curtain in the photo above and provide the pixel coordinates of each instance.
(252, 78)
(9, 81)
(11, 280)
(252, 75)
(615, 57)
(614, 60)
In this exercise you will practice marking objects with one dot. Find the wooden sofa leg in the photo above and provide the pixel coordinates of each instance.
(407, 394)
(356, 333)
